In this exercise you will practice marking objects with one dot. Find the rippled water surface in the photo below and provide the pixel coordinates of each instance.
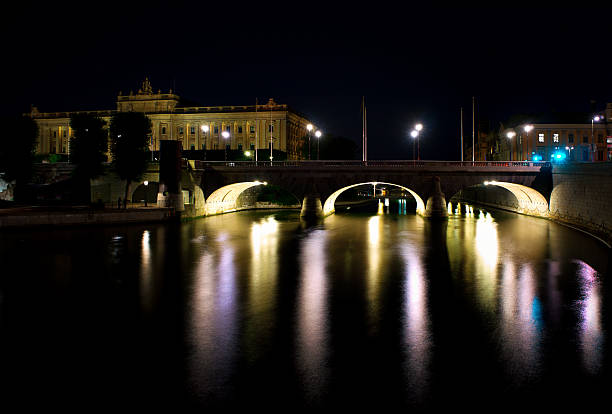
(257, 310)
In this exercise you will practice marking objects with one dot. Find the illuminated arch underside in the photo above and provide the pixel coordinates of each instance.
(224, 199)
(529, 200)
(329, 208)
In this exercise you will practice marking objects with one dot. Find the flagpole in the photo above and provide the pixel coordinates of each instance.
(461, 134)
(256, 128)
(473, 126)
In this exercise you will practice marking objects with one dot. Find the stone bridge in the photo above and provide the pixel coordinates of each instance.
(217, 187)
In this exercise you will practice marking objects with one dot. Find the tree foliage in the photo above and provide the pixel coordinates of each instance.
(129, 134)
(17, 146)
(88, 145)
(335, 148)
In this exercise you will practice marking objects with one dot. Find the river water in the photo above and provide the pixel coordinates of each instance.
(487, 311)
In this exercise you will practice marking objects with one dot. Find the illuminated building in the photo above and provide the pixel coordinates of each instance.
(197, 127)
(581, 141)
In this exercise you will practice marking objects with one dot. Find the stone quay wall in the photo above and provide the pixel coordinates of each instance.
(582, 196)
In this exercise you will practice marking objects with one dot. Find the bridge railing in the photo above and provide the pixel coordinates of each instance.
(375, 163)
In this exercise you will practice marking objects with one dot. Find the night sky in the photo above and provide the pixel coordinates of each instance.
(412, 64)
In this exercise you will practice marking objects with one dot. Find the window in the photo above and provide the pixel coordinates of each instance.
(216, 130)
(271, 128)
(600, 139)
(555, 137)
(192, 130)
(192, 147)
(54, 134)
(252, 146)
(163, 130)
(203, 146)
(239, 147)
(227, 146)
(252, 129)
(585, 139)
(540, 137)
(65, 133)
(180, 130)
(570, 138)
(227, 128)
(240, 130)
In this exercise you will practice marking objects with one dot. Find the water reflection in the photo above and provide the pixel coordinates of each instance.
(146, 272)
(589, 309)
(374, 252)
(312, 325)
(521, 322)
(416, 320)
(213, 320)
(262, 277)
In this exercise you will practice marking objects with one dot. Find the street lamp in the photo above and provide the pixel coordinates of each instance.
(309, 127)
(569, 149)
(225, 135)
(146, 183)
(527, 129)
(318, 135)
(205, 130)
(414, 134)
(595, 118)
(510, 135)
(418, 128)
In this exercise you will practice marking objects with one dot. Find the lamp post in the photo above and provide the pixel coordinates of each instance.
(309, 127)
(318, 135)
(146, 184)
(527, 129)
(569, 149)
(414, 134)
(205, 130)
(510, 135)
(225, 135)
(594, 119)
(418, 128)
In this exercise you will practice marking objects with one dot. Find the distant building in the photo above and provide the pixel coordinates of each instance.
(197, 127)
(544, 141)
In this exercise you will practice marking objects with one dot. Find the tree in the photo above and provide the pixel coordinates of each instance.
(88, 147)
(17, 150)
(335, 148)
(129, 133)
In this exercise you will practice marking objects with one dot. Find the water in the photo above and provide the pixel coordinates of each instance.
(256, 310)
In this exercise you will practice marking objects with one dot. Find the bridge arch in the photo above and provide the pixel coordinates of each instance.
(224, 199)
(329, 206)
(140, 191)
(522, 199)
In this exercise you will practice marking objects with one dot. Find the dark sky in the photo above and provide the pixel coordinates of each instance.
(412, 64)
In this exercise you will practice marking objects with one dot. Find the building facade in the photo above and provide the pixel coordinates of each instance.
(584, 142)
(197, 127)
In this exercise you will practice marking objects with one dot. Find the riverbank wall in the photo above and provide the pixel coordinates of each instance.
(33, 217)
(581, 197)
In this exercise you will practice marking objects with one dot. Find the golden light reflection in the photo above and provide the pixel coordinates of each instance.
(486, 260)
(591, 337)
(313, 327)
(146, 273)
(374, 260)
(263, 276)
